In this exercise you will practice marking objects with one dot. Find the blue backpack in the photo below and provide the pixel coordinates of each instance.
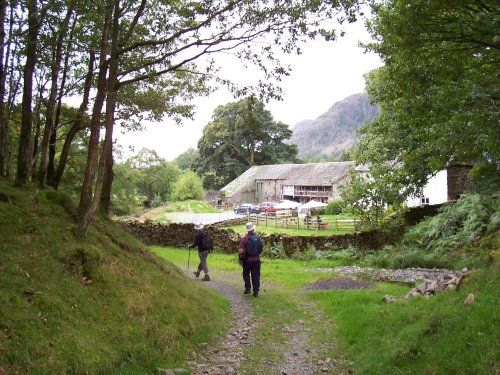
(254, 245)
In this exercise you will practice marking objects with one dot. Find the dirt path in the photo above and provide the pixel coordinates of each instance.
(226, 359)
(299, 358)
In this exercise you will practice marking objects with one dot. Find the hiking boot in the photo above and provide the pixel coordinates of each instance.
(196, 273)
(206, 278)
(246, 291)
(255, 294)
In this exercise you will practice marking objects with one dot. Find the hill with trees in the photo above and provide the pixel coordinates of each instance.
(334, 132)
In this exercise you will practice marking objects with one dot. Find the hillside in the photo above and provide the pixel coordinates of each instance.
(101, 305)
(334, 132)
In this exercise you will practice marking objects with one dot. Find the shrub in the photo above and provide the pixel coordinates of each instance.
(188, 186)
(275, 251)
(156, 201)
(309, 253)
(380, 259)
(335, 207)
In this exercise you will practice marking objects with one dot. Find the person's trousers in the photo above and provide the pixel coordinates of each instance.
(252, 268)
(203, 262)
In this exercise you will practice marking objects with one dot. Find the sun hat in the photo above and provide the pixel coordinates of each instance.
(198, 226)
(249, 227)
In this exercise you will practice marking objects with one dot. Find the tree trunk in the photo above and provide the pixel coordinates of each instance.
(9, 71)
(105, 161)
(75, 127)
(36, 115)
(51, 103)
(4, 130)
(84, 212)
(24, 154)
(105, 204)
(51, 169)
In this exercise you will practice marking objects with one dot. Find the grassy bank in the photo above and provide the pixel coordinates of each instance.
(101, 305)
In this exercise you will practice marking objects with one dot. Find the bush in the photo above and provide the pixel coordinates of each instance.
(335, 207)
(156, 201)
(308, 254)
(450, 239)
(345, 257)
(380, 259)
(188, 186)
(275, 251)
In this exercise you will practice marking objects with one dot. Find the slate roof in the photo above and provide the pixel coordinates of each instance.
(310, 174)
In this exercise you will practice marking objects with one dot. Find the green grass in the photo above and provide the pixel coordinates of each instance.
(279, 305)
(101, 305)
(438, 335)
(289, 274)
(191, 206)
(272, 228)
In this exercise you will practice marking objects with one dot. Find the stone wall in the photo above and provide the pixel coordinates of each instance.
(459, 180)
(227, 241)
(415, 215)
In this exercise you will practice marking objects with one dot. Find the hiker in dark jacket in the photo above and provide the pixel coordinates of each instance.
(249, 262)
(204, 247)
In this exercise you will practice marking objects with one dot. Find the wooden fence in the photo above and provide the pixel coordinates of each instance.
(284, 219)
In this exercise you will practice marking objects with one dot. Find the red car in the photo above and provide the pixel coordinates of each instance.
(267, 207)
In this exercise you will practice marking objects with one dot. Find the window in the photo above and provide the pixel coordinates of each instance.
(424, 201)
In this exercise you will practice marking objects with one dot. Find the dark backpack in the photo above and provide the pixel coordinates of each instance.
(206, 243)
(254, 245)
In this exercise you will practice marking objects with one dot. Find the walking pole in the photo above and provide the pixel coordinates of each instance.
(189, 256)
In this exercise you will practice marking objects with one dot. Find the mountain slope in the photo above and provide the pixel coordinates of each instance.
(334, 132)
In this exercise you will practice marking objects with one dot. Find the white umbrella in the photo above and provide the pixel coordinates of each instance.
(287, 205)
(310, 205)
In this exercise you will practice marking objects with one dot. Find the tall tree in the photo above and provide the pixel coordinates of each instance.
(240, 135)
(25, 138)
(55, 68)
(155, 38)
(4, 130)
(186, 159)
(438, 92)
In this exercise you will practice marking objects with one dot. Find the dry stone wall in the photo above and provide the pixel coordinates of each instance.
(227, 241)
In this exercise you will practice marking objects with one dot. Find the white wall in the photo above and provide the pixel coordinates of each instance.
(436, 190)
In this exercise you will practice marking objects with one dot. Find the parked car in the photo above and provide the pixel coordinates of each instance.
(267, 207)
(247, 208)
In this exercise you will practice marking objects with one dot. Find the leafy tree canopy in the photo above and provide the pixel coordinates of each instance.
(438, 91)
(143, 176)
(240, 135)
(189, 186)
(185, 160)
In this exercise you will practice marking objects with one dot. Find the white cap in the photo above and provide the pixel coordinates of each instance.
(249, 227)
(198, 226)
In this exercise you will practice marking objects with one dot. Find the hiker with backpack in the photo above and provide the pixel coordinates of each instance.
(251, 246)
(203, 241)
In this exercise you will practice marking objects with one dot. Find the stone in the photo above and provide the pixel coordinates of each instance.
(180, 371)
(388, 298)
(471, 298)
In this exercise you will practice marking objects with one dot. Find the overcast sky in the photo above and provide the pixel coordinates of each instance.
(324, 74)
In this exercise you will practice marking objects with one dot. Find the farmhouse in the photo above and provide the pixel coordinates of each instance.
(299, 182)
(446, 185)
